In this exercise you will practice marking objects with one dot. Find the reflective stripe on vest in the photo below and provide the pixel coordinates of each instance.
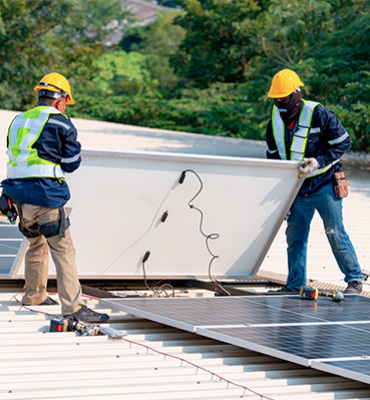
(24, 161)
(299, 142)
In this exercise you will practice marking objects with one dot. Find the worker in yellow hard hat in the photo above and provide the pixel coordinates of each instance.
(42, 147)
(54, 86)
(311, 134)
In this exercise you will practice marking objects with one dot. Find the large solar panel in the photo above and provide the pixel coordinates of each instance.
(299, 343)
(244, 201)
(357, 368)
(312, 333)
(191, 313)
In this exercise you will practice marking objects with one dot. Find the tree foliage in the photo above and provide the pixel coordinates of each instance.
(204, 69)
(42, 36)
(158, 41)
(220, 40)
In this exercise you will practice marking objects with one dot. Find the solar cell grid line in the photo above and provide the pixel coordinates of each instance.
(301, 344)
(354, 308)
(191, 313)
(346, 323)
(356, 368)
(11, 241)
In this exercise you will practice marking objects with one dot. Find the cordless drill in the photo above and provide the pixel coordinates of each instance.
(310, 293)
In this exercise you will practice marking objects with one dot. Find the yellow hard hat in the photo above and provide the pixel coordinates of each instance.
(56, 83)
(284, 83)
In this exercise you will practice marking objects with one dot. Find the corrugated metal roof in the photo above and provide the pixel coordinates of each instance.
(37, 364)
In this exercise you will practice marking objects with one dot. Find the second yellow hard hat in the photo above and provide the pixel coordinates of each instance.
(284, 83)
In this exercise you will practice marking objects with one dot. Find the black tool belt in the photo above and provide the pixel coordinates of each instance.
(47, 230)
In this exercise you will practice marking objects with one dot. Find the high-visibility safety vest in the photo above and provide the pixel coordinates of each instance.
(299, 142)
(24, 131)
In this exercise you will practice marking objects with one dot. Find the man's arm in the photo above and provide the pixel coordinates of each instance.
(335, 140)
(70, 148)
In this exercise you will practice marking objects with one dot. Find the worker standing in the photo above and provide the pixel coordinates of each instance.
(308, 132)
(42, 145)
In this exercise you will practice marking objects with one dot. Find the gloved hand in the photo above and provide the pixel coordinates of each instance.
(312, 165)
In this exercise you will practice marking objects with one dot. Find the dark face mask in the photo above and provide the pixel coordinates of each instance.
(289, 107)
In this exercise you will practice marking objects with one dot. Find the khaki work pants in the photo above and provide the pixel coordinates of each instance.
(37, 262)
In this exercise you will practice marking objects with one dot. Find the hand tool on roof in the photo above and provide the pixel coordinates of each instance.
(72, 324)
(310, 293)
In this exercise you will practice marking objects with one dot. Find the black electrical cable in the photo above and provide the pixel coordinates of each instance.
(156, 289)
(211, 236)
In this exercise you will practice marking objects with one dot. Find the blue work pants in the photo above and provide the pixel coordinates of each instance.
(299, 220)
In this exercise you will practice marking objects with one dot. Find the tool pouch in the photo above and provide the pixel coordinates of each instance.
(340, 184)
(7, 208)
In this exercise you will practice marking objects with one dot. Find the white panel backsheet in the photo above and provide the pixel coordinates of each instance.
(118, 199)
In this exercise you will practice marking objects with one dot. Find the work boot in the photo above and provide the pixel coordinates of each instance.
(354, 287)
(88, 315)
(283, 290)
(48, 302)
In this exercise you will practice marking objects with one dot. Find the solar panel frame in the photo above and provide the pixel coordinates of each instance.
(356, 368)
(198, 312)
(208, 312)
(307, 340)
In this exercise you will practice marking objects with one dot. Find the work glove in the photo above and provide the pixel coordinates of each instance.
(311, 165)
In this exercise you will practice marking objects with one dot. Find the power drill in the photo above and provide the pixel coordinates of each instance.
(310, 293)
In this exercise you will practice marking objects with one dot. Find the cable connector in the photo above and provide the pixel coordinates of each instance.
(146, 256)
(182, 177)
(164, 216)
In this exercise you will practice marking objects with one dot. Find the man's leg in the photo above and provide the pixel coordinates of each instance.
(69, 289)
(300, 217)
(63, 254)
(330, 210)
(36, 262)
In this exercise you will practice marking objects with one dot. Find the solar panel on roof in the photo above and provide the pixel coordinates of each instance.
(287, 327)
(306, 342)
(11, 244)
(356, 369)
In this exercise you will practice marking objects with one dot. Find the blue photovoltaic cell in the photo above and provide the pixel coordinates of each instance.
(194, 312)
(10, 243)
(209, 311)
(354, 308)
(354, 369)
(305, 341)
(297, 330)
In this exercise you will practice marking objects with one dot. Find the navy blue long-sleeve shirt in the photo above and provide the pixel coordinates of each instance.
(57, 143)
(327, 142)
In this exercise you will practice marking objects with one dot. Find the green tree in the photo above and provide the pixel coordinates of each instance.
(37, 37)
(337, 70)
(291, 27)
(220, 41)
(158, 41)
(159, 44)
(119, 72)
